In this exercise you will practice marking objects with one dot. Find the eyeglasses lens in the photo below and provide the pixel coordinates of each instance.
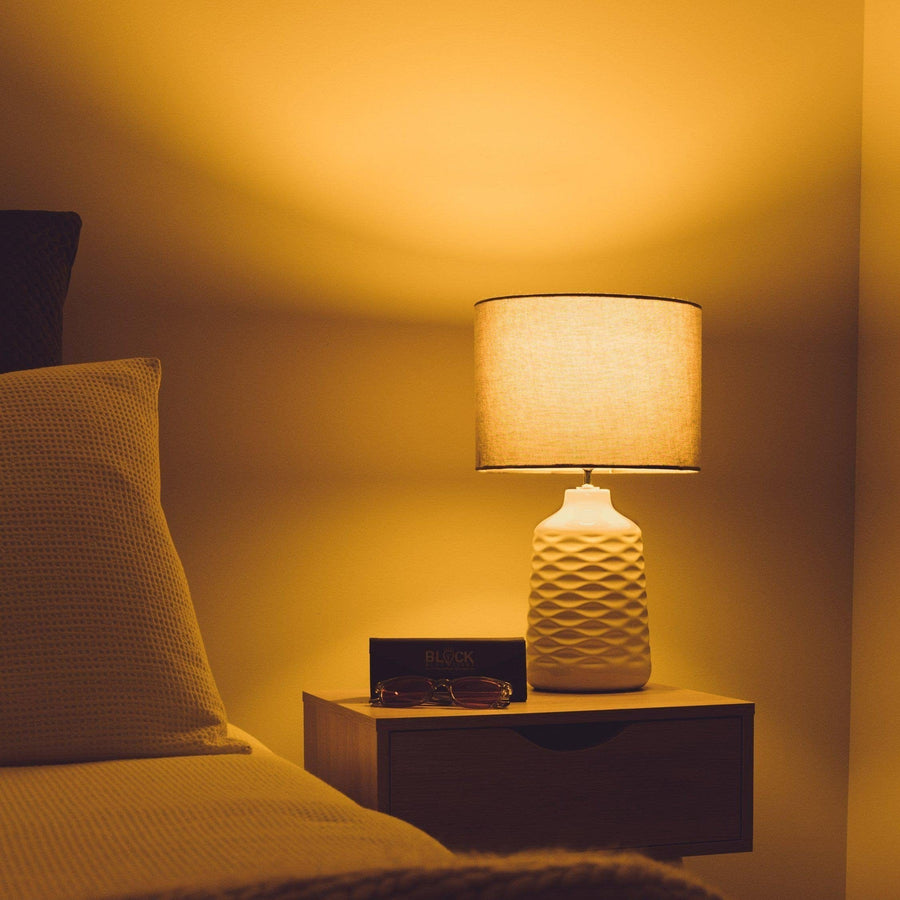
(405, 691)
(476, 693)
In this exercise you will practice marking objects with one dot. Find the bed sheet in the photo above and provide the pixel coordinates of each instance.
(141, 827)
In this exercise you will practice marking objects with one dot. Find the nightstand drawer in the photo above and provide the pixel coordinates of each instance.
(664, 770)
(664, 783)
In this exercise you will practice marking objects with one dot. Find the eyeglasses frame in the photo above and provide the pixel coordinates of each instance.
(446, 684)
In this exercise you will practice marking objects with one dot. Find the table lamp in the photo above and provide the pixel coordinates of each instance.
(600, 383)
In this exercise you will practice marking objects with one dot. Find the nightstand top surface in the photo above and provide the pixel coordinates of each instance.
(652, 701)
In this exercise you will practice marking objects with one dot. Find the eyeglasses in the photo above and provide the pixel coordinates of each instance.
(472, 692)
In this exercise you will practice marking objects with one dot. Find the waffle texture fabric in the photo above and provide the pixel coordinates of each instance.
(37, 250)
(100, 653)
(119, 828)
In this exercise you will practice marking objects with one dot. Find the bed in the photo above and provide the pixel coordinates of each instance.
(120, 774)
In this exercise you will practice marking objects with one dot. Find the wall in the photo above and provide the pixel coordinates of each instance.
(874, 842)
(317, 385)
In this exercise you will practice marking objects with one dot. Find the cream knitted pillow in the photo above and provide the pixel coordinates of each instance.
(100, 653)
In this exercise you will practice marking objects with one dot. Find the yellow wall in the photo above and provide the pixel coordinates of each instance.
(302, 248)
(874, 840)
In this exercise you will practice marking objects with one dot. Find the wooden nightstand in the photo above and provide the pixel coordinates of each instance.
(662, 770)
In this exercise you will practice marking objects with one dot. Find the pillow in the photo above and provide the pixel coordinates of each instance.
(37, 250)
(100, 653)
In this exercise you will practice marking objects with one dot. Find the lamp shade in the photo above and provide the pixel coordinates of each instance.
(587, 381)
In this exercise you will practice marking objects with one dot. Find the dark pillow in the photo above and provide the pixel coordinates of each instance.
(37, 249)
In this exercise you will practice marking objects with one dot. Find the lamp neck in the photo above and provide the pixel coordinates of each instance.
(587, 494)
(587, 508)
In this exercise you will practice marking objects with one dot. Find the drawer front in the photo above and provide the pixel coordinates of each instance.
(647, 784)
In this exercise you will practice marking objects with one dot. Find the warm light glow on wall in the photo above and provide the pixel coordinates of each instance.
(295, 204)
(423, 153)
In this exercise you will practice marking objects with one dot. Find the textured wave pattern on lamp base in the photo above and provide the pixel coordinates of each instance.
(587, 622)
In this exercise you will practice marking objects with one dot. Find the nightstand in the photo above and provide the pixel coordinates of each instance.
(662, 770)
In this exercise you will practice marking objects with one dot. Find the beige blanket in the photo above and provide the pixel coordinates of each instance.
(256, 827)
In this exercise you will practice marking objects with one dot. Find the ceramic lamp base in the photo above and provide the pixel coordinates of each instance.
(587, 621)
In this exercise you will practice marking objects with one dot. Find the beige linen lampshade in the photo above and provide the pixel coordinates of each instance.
(587, 381)
(593, 382)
